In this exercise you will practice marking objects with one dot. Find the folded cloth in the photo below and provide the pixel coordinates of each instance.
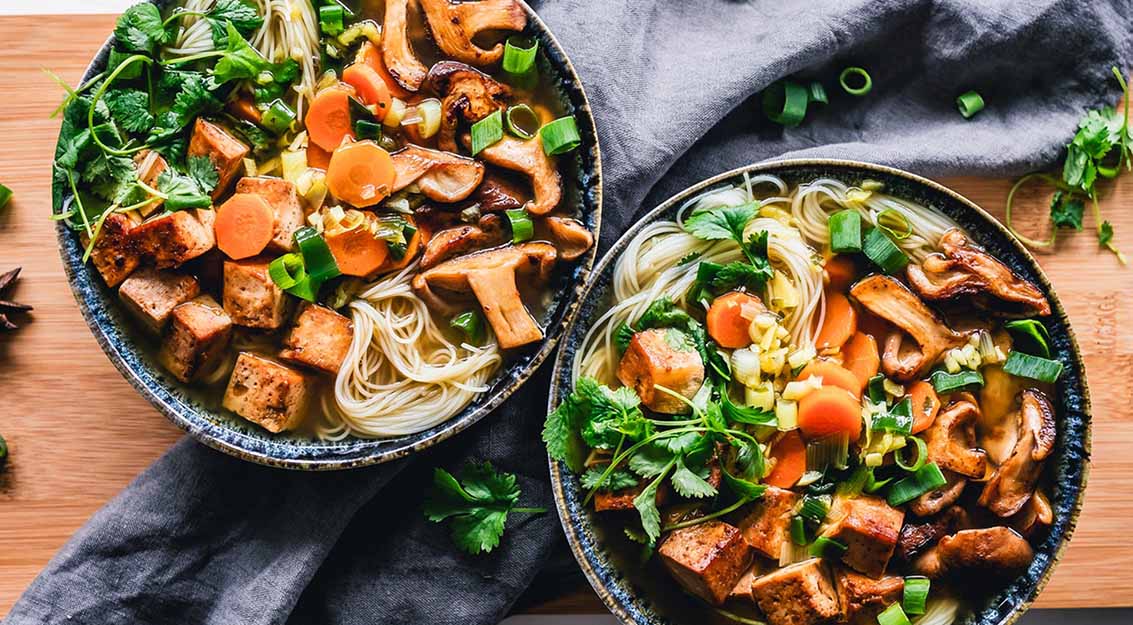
(205, 539)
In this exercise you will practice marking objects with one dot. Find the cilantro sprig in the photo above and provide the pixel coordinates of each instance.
(476, 502)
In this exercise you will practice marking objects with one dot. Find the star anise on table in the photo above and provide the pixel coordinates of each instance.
(7, 307)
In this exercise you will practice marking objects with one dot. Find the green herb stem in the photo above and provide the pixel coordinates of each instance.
(98, 96)
(708, 517)
(529, 510)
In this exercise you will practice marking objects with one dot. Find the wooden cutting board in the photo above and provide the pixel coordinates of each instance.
(79, 433)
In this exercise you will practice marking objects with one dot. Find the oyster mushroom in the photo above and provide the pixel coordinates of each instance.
(1013, 482)
(889, 299)
(989, 552)
(528, 158)
(1036, 514)
(916, 537)
(498, 194)
(455, 25)
(936, 500)
(951, 440)
(457, 240)
(442, 176)
(491, 275)
(468, 94)
(965, 269)
(397, 53)
(570, 237)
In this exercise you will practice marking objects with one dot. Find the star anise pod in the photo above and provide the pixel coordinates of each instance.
(8, 307)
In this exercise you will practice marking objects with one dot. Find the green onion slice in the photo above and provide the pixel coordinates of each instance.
(307, 289)
(317, 257)
(5, 196)
(944, 382)
(365, 129)
(884, 253)
(872, 484)
(278, 118)
(1032, 333)
(969, 104)
(898, 419)
(560, 136)
(522, 121)
(925, 479)
(487, 131)
(331, 19)
(798, 531)
(824, 547)
(858, 75)
(519, 54)
(915, 594)
(814, 509)
(1034, 367)
(522, 228)
(287, 270)
(895, 224)
(784, 102)
(471, 325)
(921, 458)
(876, 389)
(817, 93)
(845, 231)
(893, 615)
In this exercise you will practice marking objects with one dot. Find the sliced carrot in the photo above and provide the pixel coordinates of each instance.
(730, 316)
(925, 405)
(244, 108)
(369, 54)
(244, 225)
(842, 271)
(832, 374)
(828, 411)
(370, 87)
(411, 249)
(317, 157)
(360, 173)
(789, 454)
(328, 119)
(841, 321)
(357, 251)
(861, 357)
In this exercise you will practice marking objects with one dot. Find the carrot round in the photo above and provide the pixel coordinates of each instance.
(925, 405)
(370, 55)
(729, 318)
(840, 324)
(411, 249)
(828, 411)
(328, 119)
(860, 357)
(370, 87)
(360, 173)
(357, 251)
(317, 157)
(842, 271)
(244, 225)
(832, 374)
(789, 454)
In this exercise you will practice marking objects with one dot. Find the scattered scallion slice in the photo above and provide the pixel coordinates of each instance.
(471, 325)
(560, 136)
(897, 419)
(1034, 367)
(318, 260)
(522, 228)
(814, 509)
(798, 531)
(784, 102)
(845, 231)
(1032, 334)
(364, 129)
(522, 121)
(893, 615)
(876, 389)
(287, 270)
(331, 18)
(824, 547)
(895, 224)
(969, 104)
(519, 54)
(864, 83)
(817, 93)
(908, 488)
(278, 117)
(884, 253)
(921, 458)
(944, 382)
(5, 196)
(307, 289)
(487, 131)
(915, 594)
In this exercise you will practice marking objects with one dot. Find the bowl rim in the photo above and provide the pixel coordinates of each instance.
(562, 368)
(362, 452)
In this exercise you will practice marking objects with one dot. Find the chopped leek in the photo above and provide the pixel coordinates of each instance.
(487, 132)
(845, 231)
(897, 419)
(895, 224)
(318, 260)
(814, 509)
(331, 19)
(817, 93)
(883, 252)
(429, 112)
(522, 228)
(925, 479)
(824, 547)
(798, 531)
(365, 129)
(519, 54)
(286, 271)
(969, 104)
(522, 121)
(893, 615)
(278, 118)
(861, 78)
(1034, 367)
(784, 102)
(915, 594)
(944, 382)
(831, 451)
(876, 389)
(471, 325)
(921, 458)
(560, 136)
(1032, 334)
(786, 415)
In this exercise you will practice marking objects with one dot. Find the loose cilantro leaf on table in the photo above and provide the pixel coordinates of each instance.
(1066, 211)
(476, 502)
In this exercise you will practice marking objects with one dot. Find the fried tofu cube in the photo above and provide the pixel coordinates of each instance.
(172, 239)
(706, 559)
(742, 590)
(800, 594)
(869, 527)
(863, 597)
(198, 332)
(115, 254)
(225, 151)
(665, 357)
(151, 295)
(267, 393)
(150, 167)
(767, 526)
(250, 297)
(320, 339)
(284, 201)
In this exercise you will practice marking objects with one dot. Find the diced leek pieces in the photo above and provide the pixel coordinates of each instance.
(769, 341)
(999, 355)
(761, 396)
(874, 459)
(971, 355)
(745, 367)
(395, 113)
(857, 195)
(800, 357)
(312, 185)
(892, 388)
(787, 414)
(781, 333)
(798, 389)
(772, 362)
(430, 113)
(950, 363)
(765, 321)
(808, 478)
(250, 167)
(269, 166)
(784, 295)
(294, 164)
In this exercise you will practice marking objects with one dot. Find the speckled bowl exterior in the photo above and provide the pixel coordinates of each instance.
(643, 594)
(117, 334)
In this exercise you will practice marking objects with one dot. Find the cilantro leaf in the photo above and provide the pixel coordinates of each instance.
(203, 172)
(560, 433)
(650, 460)
(130, 109)
(477, 501)
(597, 415)
(622, 336)
(745, 489)
(713, 279)
(1105, 233)
(726, 222)
(618, 479)
(243, 18)
(239, 61)
(688, 483)
(182, 191)
(1066, 211)
(646, 504)
(688, 258)
(139, 29)
(194, 98)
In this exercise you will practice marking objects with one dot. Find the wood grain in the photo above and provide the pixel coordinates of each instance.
(79, 433)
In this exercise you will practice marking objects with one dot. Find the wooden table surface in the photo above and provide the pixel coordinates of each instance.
(78, 432)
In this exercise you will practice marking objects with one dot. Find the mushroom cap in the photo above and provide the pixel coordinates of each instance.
(571, 238)
(951, 439)
(1013, 483)
(468, 94)
(442, 176)
(997, 551)
(454, 26)
(457, 240)
(528, 157)
(397, 53)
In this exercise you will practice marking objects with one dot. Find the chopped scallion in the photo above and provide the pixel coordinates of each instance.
(471, 325)
(278, 117)
(1034, 367)
(287, 270)
(519, 54)
(861, 79)
(784, 102)
(364, 129)
(897, 419)
(893, 615)
(814, 509)
(908, 488)
(560, 136)
(522, 228)
(944, 382)
(522, 121)
(331, 18)
(1032, 334)
(876, 389)
(318, 260)
(798, 531)
(824, 547)
(969, 104)
(487, 131)
(884, 253)
(817, 93)
(895, 224)
(915, 594)
(845, 231)
(921, 458)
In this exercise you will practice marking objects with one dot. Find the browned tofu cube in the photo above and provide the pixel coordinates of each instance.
(800, 594)
(869, 527)
(607, 500)
(767, 526)
(198, 333)
(150, 167)
(280, 195)
(115, 254)
(251, 298)
(172, 239)
(151, 295)
(320, 339)
(268, 393)
(742, 590)
(664, 357)
(225, 151)
(863, 597)
(706, 559)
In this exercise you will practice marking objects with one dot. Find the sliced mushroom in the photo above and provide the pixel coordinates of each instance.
(442, 176)
(397, 53)
(570, 237)
(469, 95)
(989, 552)
(965, 269)
(951, 440)
(499, 193)
(459, 240)
(1035, 515)
(999, 400)
(1014, 481)
(455, 25)
(936, 500)
(528, 157)
(919, 536)
(491, 275)
(889, 299)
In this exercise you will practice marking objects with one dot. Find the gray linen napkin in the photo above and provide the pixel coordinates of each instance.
(205, 539)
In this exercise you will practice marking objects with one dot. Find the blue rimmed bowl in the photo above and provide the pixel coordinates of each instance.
(644, 594)
(117, 334)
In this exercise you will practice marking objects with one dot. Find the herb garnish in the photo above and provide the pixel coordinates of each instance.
(477, 502)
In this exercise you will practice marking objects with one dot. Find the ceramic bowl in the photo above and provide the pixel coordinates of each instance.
(645, 594)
